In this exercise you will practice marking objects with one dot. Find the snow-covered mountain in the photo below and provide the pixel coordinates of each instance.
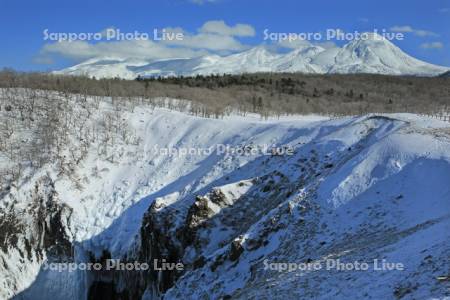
(445, 75)
(373, 55)
(355, 189)
(381, 57)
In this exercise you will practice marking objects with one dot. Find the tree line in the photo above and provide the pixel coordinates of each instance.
(267, 94)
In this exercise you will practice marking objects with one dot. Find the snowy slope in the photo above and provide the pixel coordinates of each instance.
(374, 55)
(355, 189)
(371, 188)
(105, 68)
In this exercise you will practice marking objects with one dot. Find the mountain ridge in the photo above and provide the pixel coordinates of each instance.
(373, 55)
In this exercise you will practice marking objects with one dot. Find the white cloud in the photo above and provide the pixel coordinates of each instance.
(444, 10)
(212, 37)
(200, 2)
(433, 45)
(143, 49)
(293, 44)
(409, 29)
(208, 41)
(327, 45)
(205, 40)
(219, 27)
(297, 43)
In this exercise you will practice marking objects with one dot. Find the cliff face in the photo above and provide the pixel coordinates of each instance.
(38, 232)
(301, 213)
(190, 232)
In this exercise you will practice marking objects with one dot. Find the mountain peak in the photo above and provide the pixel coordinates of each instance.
(371, 39)
(372, 53)
(258, 50)
(376, 54)
(374, 36)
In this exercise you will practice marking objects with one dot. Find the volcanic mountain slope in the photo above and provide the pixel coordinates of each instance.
(373, 55)
(353, 189)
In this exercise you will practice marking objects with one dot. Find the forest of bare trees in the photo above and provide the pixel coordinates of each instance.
(267, 94)
(48, 118)
(42, 126)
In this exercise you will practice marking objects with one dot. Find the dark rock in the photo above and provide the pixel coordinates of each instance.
(236, 250)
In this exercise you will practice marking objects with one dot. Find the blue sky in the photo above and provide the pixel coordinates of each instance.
(212, 26)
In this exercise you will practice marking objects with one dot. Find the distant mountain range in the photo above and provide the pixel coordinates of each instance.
(445, 75)
(374, 55)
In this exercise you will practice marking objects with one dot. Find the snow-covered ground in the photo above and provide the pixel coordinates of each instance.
(354, 189)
